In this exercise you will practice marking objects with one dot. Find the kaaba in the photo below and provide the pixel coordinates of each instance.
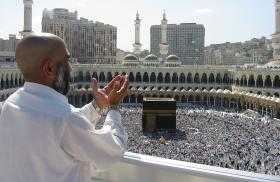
(159, 114)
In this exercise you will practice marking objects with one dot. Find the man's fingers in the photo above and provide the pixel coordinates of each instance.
(124, 87)
(94, 85)
(115, 88)
(108, 88)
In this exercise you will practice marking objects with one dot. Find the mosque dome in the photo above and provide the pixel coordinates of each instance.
(130, 57)
(130, 60)
(151, 58)
(172, 61)
(172, 58)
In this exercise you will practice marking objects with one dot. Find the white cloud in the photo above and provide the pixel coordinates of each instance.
(204, 11)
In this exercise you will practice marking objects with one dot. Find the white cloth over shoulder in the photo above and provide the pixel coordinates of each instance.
(43, 138)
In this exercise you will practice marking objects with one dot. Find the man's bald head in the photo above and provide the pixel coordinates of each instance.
(33, 50)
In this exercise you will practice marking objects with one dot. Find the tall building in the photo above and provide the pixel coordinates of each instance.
(186, 40)
(88, 41)
(276, 35)
(27, 27)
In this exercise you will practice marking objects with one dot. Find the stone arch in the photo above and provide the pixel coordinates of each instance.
(276, 82)
(138, 77)
(7, 81)
(146, 77)
(102, 77)
(2, 82)
(189, 78)
(167, 78)
(160, 78)
(251, 82)
(196, 78)
(174, 78)
(259, 82)
(204, 78)
(226, 78)
(211, 78)
(218, 78)
(12, 80)
(109, 76)
(16, 79)
(182, 78)
(131, 77)
(153, 77)
(268, 82)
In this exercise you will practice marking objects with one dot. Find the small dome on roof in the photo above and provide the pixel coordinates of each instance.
(130, 57)
(172, 58)
(151, 57)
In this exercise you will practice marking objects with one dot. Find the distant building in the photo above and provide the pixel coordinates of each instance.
(88, 41)
(185, 40)
(253, 51)
(10, 44)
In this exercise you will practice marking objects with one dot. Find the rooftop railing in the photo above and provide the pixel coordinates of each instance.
(142, 168)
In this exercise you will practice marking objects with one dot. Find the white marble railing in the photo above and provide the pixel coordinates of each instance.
(142, 168)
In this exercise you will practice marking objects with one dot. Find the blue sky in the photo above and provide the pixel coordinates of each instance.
(224, 20)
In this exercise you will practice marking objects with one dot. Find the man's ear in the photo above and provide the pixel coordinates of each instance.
(48, 68)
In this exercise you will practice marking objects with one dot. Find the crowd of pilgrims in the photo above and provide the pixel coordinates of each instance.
(225, 139)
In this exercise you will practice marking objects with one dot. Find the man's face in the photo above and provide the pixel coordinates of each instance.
(63, 68)
(62, 83)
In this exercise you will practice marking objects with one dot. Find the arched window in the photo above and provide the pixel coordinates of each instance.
(138, 77)
(167, 78)
(182, 78)
(131, 77)
(146, 77)
(204, 78)
(268, 82)
(189, 78)
(259, 81)
(196, 78)
(153, 77)
(160, 78)
(251, 82)
(175, 78)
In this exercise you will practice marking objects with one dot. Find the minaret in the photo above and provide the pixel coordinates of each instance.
(163, 45)
(27, 28)
(137, 45)
(276, 35)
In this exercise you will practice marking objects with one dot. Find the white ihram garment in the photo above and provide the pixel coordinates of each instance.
(45, 139)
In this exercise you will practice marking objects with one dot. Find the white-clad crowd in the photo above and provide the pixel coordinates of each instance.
(211, 137)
